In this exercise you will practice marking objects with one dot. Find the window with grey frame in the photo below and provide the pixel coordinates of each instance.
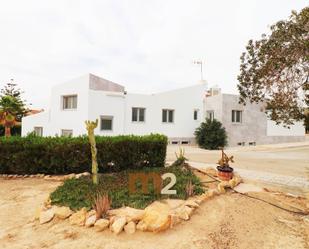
(210, 115)
(167, 116)
(236, 116)
(38, 131)
(138, 114)
(66, 133)
(69, 102)
(195, 114)
(106, 123)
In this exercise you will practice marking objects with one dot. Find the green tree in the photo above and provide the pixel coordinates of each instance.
(275, 69)
(12, 107)
(211, 135)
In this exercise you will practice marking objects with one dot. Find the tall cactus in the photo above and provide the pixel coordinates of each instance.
(90, 126)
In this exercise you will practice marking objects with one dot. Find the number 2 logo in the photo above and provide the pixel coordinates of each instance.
(167, 189)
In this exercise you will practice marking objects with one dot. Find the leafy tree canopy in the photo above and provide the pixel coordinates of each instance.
(275, 69)
(11, 101)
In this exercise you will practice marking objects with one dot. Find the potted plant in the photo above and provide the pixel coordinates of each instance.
(225, 172)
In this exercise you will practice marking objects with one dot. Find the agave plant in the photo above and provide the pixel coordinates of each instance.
(101, 205)
(189, 189)
(180, 158)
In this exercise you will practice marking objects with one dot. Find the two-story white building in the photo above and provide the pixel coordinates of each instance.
(175, 113)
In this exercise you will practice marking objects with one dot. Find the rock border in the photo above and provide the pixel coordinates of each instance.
(45, 177)
(158, 216)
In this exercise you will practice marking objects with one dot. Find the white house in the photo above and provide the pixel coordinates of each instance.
(175, 113)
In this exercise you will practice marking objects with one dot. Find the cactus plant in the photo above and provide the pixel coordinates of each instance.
(90, 126)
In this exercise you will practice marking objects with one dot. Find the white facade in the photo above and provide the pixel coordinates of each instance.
(95, 98)
(98, 98)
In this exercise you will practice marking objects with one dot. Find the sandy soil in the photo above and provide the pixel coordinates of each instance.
(285, 159)
(228, 221)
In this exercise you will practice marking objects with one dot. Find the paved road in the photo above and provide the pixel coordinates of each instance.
(284, 166)
(284, 159)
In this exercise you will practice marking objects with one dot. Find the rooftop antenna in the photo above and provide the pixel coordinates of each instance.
(199, 62)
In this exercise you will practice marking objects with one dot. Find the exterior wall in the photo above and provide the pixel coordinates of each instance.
(279, 130)
(214, 103)
(97, 97)
(102, 103)
(40, 120)
(93, 102)
(183, 101)
(255, 126)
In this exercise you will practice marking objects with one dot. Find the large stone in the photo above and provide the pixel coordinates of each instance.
(118, 224)
(222, 185)
(175, 219)
(131, 214)
(191, 203)
(90, 221)
(157, 217)
(101, 224)
(173, 203)
(141, 226)
(184, 212)
(63, 212)
(130, 228)
(79, 217)
(46, 216)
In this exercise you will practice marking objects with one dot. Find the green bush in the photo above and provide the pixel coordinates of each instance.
(61, 155)
(211, 135)
(78, 193)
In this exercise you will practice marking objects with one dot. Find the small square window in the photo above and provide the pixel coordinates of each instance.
(167, 116)
(106, 123)
(38, 131)
(66, 133)
(236, 116)
(138, 114)
(69, 102)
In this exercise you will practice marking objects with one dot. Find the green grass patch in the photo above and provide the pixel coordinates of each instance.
(78, 193)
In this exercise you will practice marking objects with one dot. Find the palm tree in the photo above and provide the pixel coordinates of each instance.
(10, 109)
(12, 106)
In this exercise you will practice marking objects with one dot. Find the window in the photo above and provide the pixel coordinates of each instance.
(66, 133)
(210, 115)
(167, 116)
(138, 114)
(195, 114)
(38, 131)
(69, 102)
(236, 116)
(106, 123)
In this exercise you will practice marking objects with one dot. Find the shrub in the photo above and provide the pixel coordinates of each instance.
(61, 155)
(211, 135)
(79, 193)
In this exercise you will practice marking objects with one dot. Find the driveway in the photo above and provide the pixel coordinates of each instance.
(290, 159)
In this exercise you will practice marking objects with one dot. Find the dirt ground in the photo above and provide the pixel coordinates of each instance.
(227, 221)
(282, 159)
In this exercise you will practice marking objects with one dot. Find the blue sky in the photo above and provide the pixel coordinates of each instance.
(148, 46)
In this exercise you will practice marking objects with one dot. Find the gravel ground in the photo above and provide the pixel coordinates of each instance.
(228, 221)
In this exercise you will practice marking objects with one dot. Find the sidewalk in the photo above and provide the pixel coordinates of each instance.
(291, 184)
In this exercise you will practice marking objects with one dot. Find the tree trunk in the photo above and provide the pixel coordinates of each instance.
(90, 126)
(7, 132)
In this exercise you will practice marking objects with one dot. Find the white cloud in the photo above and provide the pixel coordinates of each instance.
(147, 46)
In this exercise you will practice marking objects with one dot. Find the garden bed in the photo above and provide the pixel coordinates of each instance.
(79, 193)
